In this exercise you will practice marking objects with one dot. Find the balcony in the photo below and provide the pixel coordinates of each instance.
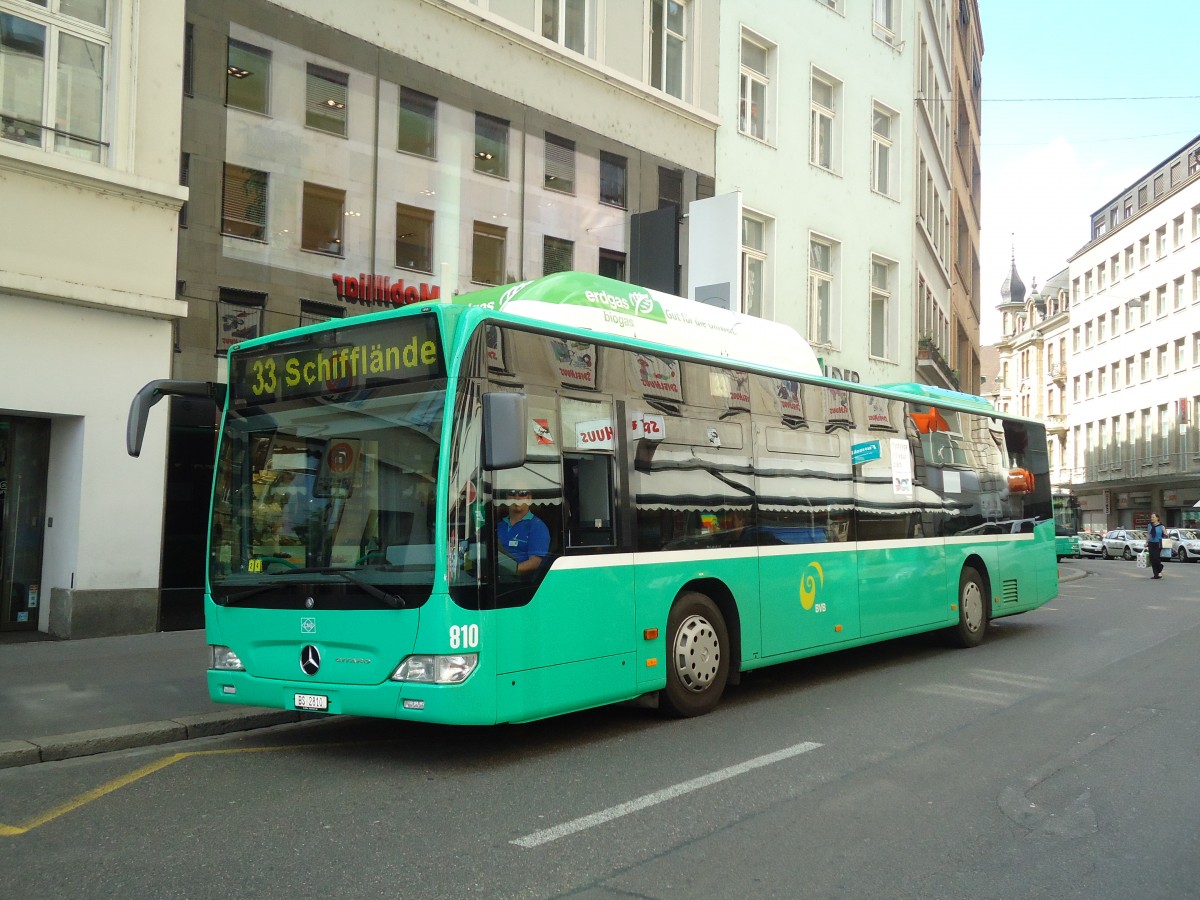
(1058, 373)
(1056, 424)
(934, 366)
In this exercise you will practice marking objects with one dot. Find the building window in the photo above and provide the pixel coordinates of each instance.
(414, 238)
(1177, 293)
(1180, 354)
(755, 234)
(560, 164)
(189, 58)
(491, 145)
(670, 188)
(314, 313)
(1146, 365)
(1178, 227)
(883, 276)
(244, 203)
(565, 22)
(323, 215)
(1160, 242)
(612, 179)
(1114, 264)
(820, 291)
(558, 255)
(883, 127)
(1160, 301)
(239, 317)
(325, 99)
(668, 46)
(488, 253)
(612, 264)
(248, 77)
(185, 176)
(52, 78)
(1144, 250)
(753, 87)
(824, 115)
(885, 21)
(418, 123)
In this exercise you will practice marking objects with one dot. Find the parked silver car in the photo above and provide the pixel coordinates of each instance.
(1187, 543)
(1123, 542)
(1091, 543)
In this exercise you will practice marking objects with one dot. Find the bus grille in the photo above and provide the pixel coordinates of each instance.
(1009, 592)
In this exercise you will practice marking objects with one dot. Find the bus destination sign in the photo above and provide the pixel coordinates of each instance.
(351, 358)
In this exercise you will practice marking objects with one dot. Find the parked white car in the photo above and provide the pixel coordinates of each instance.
(1123, 542)
(1091, 543)
(1187, 543)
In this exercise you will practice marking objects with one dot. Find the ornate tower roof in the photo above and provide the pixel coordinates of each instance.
(1013, 289)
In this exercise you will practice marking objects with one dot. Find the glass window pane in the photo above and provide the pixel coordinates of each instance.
(80, 97)
(550, 19)
(674, 85)
(414, 238)
(491, 145)
(248, 76)
(88, 10)
(612, 179)
(325, 99)
(487, 254)
(558, 255)
(244, 203)
(418, 123)
(754, 57)
(752, 233)
(576, 26)
(22, 74)
(752, 284)
(560, 164)
(323, 216)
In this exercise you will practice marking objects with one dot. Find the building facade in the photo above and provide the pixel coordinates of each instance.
(1134, 375)
(1108, 354)
(89, 155)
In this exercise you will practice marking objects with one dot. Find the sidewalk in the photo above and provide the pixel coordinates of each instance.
(63, 699)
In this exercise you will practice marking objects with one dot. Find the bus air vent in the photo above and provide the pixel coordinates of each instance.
(1009, 592)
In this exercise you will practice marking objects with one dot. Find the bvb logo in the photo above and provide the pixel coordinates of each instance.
(809, 583)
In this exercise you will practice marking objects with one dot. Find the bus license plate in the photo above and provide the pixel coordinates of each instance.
(312, 701)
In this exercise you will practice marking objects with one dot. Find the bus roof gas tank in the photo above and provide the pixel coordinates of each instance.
(606, 306)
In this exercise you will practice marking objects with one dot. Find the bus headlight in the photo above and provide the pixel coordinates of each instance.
(430, 669)
(225, 659)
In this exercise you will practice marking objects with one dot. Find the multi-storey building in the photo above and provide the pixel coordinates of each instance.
(1115, 372)
(965, 193)
(89, 151)
(1134, 377)
(851, 200)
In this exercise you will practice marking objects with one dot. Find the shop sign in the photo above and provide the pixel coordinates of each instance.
(380, 290)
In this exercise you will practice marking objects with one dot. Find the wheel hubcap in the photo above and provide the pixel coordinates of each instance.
(697, 653)
(972, 606)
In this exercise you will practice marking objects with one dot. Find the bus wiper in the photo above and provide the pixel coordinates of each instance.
(392, 600)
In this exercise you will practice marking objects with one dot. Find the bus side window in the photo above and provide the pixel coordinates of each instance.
(588, 496)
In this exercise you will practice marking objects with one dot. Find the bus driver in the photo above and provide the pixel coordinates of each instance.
(521, 535)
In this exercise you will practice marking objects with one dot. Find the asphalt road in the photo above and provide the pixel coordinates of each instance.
(1058, 760)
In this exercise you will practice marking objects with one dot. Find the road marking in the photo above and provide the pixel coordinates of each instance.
(547, 835)
(125, 780)
(975, 695)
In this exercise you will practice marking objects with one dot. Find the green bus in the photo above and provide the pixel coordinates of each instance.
(571, 491)
(1066, 523)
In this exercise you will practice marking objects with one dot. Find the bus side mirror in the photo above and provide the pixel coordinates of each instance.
(504, 422)
(139, 409)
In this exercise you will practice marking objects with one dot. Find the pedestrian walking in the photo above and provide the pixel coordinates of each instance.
(1154, 542)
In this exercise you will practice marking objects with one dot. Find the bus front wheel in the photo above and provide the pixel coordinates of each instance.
(697, 656)
(972, 610)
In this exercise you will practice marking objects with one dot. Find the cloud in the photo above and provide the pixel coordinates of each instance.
(1038, 204)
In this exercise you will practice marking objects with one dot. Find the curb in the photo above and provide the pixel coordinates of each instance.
(146, 734)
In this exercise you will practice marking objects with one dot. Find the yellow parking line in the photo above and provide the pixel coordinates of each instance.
(125, 780)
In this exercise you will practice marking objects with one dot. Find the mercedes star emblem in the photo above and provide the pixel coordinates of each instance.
(310, 660)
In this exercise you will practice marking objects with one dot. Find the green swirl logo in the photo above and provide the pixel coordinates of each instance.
(810, 582)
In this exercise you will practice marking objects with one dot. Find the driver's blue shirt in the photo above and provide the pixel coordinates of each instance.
(528, 537)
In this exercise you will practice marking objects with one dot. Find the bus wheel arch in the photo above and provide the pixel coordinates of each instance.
(974, 610)
(699, 650)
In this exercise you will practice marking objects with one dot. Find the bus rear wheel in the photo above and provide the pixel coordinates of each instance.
(697, 656)
(972, 611)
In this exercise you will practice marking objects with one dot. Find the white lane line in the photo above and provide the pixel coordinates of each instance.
(547, 835)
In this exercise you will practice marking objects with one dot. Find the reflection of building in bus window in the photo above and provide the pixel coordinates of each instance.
(521, 535)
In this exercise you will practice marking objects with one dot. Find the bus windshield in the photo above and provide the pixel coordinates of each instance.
(337, 496)
(325, 482)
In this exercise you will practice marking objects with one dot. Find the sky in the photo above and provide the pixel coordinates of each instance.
(1080, 99)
